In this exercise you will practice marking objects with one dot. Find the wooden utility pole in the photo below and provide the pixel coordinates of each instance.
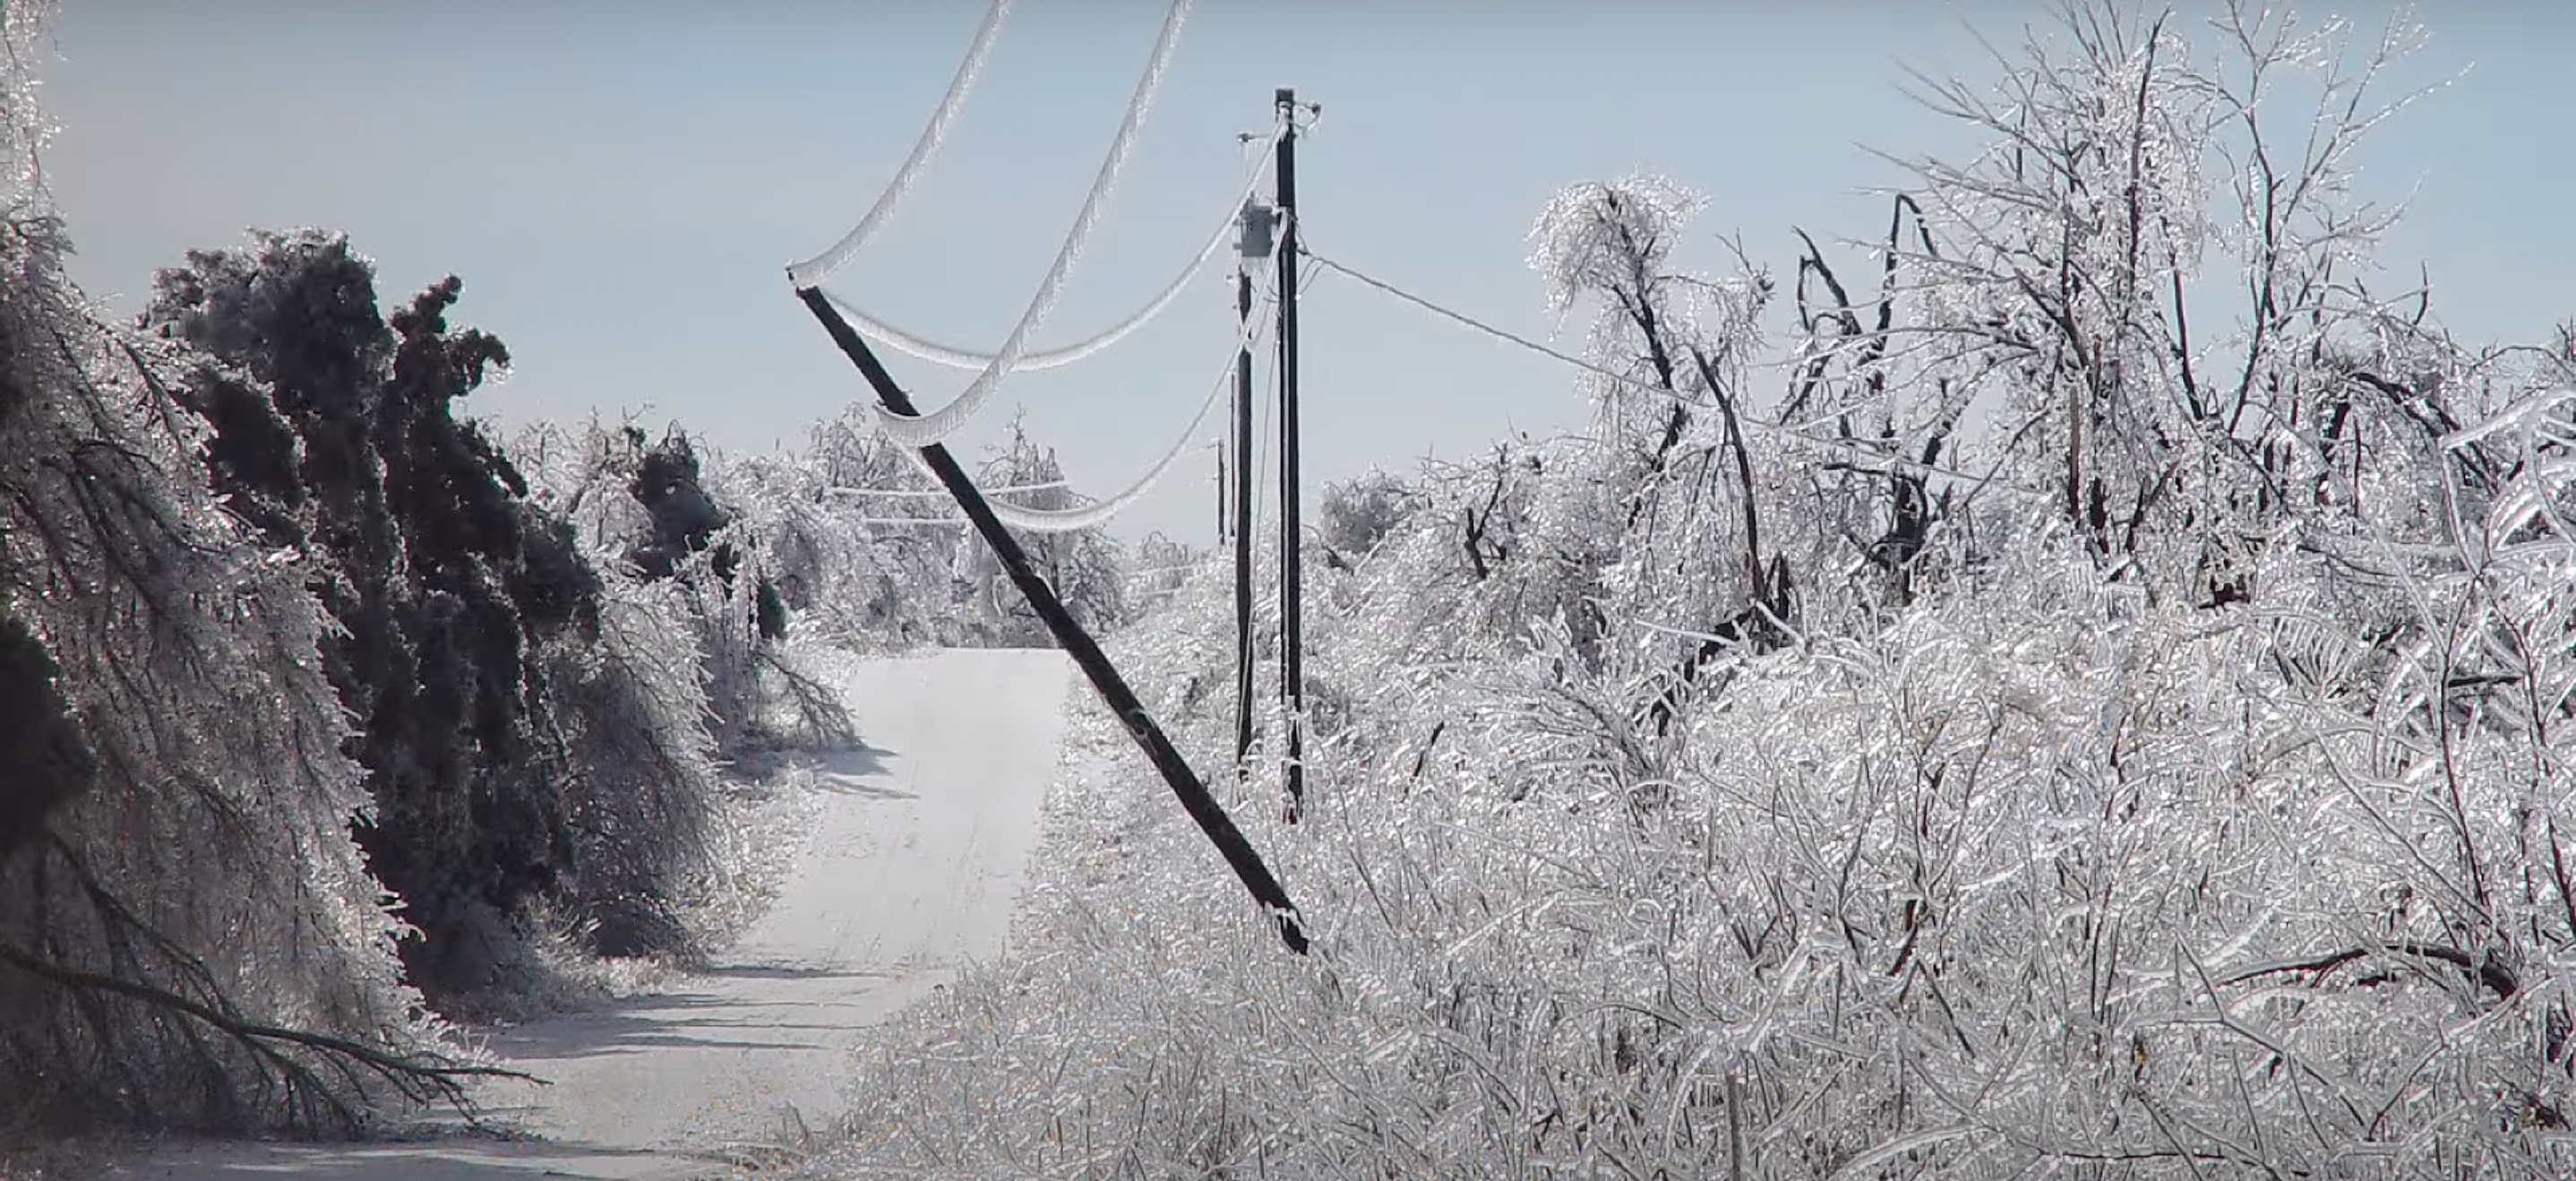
(1077, 643)
(1292, 655)
(1223, 514)
(1254, 242)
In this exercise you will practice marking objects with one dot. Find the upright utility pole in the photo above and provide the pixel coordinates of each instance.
(1253, 243)
(1292, 656)
(1224, 515)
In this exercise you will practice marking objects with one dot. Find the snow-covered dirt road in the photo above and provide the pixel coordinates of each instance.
(912, 864)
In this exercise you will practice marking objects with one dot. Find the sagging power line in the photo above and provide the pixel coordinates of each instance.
(1895, 461)
(921, 430)
(812, 271)
(923, 348)
(902, 423)
(1077, 643)
(1094, 515)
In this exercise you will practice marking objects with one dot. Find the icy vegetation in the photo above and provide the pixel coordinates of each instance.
(871, 555)
(2073, 684)
(329, 720)
(188, 935)
(1780, 779)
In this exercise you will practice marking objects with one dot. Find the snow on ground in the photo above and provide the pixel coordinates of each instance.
(912, 865)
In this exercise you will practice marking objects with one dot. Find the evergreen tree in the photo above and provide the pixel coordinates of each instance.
(335, 430)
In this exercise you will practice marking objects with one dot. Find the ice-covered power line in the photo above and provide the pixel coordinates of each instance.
(814, 270)
(1036, 520)
(1488, 329)
(1984, 479)
(1041, 486)
(937, 353)
(937, 425)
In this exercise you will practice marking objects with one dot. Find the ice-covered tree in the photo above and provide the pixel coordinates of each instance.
(424, 536)
(527, 754)
(2160, 274)
(1085, 566)
(188, 935)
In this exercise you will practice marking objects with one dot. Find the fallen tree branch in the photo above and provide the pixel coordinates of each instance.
(418, 1079)
(2487, 971)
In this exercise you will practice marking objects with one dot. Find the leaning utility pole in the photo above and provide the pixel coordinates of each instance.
(1292, 656)
(1078, 644)
(1253, 243)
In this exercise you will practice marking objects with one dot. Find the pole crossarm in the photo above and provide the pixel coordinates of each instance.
(1113, 689)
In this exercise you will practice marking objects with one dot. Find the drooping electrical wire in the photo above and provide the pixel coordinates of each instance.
(813, 271)
(1488, 329)
(1985, 479)
(926, 429)
(1036, 520)
(926, 349)
(1040, 486)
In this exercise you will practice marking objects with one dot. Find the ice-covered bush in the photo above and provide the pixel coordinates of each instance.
(188, 935)
(2163, 784)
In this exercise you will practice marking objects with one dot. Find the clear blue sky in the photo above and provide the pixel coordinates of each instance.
(619, 182)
